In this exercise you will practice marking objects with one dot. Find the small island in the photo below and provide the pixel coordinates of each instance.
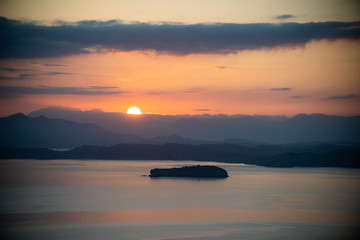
(190, 172)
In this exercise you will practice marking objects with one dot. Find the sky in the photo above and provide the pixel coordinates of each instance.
(280, 57)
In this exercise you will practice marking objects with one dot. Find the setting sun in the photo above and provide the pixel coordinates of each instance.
(134, 110)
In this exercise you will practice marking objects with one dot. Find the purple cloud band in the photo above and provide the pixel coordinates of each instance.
(30, 40)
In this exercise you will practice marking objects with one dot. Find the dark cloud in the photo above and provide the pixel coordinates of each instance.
(201, 109)
(285, 16)
(54, 65)
(101, 87)
(342, 97)
(296, 96)
(16, 69)
(29, 40)
(29, 75)
(193, 90)
(221, 67)
(15, 91)
(281, 89)
(4, 77)
(157, 92)
(56, 73)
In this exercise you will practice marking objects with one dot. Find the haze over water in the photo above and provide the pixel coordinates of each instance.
(74, 199)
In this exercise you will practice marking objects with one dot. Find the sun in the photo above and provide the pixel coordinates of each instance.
(134, 110)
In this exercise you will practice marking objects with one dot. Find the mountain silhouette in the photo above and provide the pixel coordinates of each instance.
(19, 130)
(262, 129)
(173, 138)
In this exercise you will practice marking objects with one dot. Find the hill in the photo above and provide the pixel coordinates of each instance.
(270, 156)
(22, 131)
(236, 128)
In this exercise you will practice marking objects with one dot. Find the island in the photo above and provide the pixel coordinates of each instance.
(190, 172)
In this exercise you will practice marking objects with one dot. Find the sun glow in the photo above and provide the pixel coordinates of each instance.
(134, 110)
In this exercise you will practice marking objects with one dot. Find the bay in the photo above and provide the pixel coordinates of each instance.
(88, 199)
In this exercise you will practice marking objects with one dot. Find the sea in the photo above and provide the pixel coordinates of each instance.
(106, 199)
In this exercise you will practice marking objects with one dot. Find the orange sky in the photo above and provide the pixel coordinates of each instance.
(321, 77)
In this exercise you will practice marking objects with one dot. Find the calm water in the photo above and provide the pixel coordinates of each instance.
(72, 199)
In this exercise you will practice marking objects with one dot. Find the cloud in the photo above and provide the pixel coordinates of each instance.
(193, 90)
(16, 91)
(30, 75)
(221, 67)
(27, 75)
(55, 73)
(281, 89)
(21, 76)
(16, 69)
(297, 96)
(285, 16)
(54, 65)
(158, 92)
(30, 40)
(4, 77)
(342, 97)
(201, 109)
(101, 87)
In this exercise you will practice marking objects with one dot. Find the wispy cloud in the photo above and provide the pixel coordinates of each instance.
(202, 109)
(102, 87)
(15, 91)
(281, 89)
(193, 90)
(297, 96)
(56, 73)
(158, 92)
(221, 67)
(30, 40)
(5, 77)
(54, 65)
(342, 97)
(16, 69)
(285, 16)
(27, 75)
(24, 76)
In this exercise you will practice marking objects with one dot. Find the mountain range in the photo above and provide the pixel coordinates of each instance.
(301, 128)
(40, 137)
(19, 130)
(58, 127)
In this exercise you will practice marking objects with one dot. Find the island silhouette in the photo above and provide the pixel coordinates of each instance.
(190, 171)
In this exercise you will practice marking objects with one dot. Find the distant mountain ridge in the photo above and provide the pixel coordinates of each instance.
(19, 130)
(173, 138)
(31, 137)
(261, 129)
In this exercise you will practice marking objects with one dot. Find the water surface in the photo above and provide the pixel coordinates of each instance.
(74, 199)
